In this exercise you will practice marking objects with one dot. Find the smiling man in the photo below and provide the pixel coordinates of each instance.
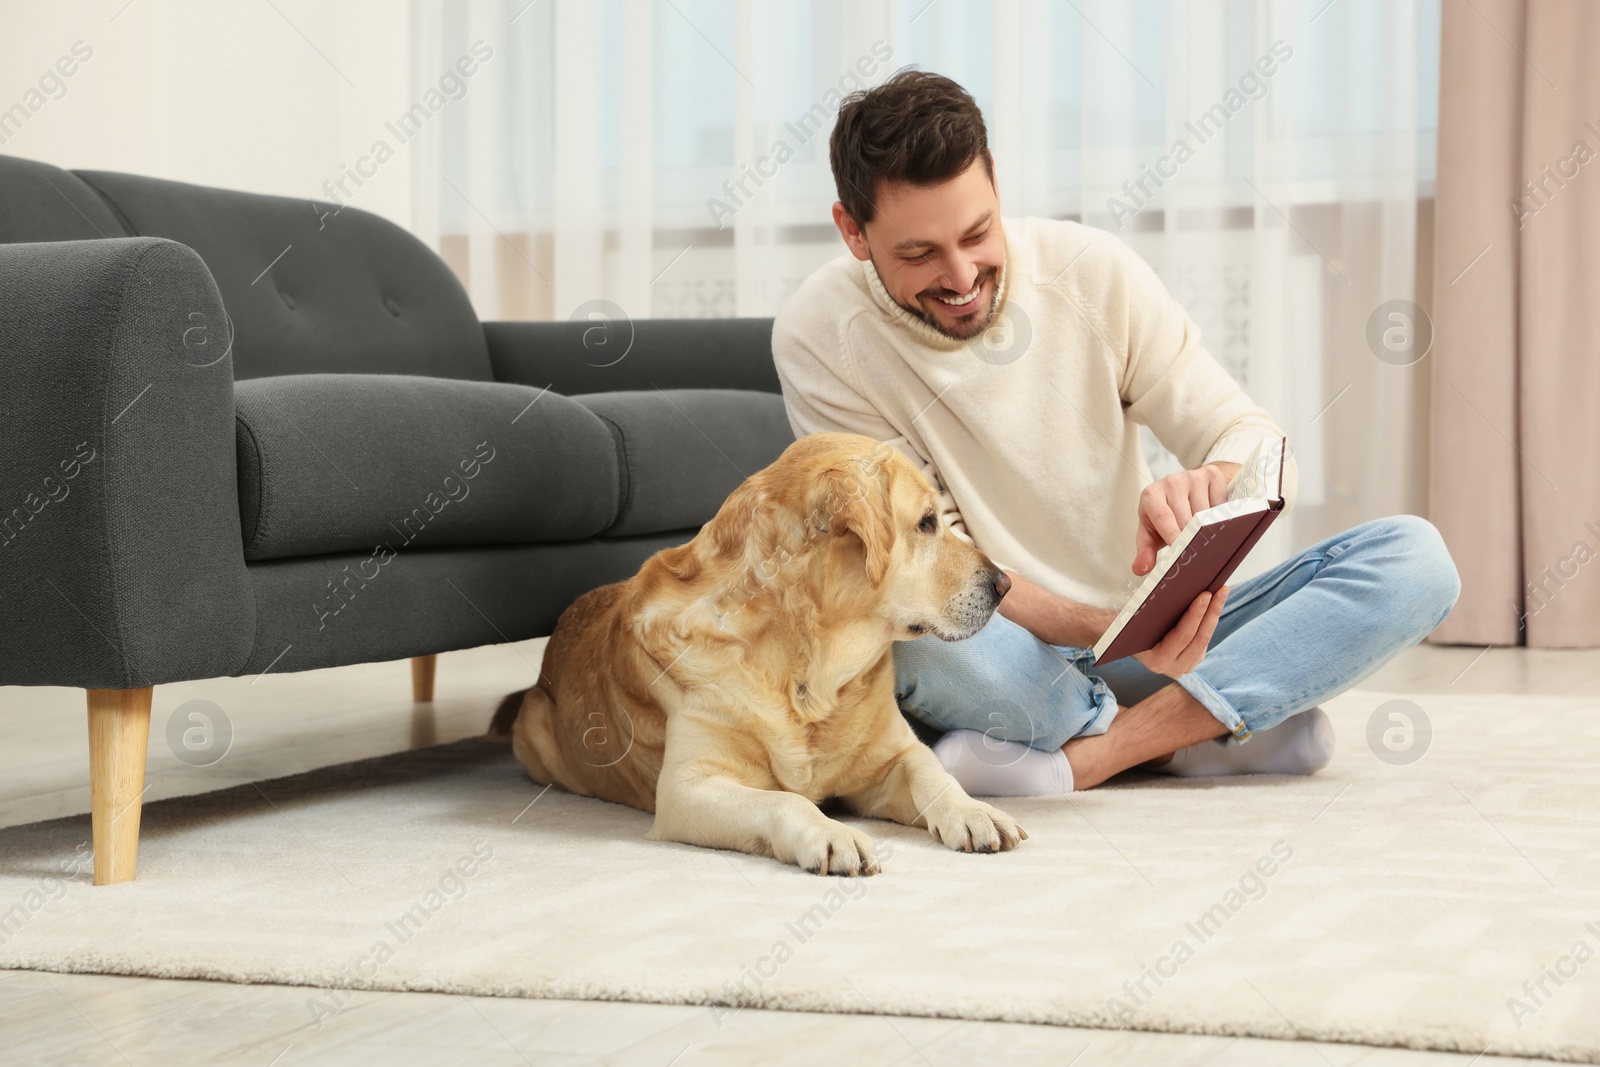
(1014, 360)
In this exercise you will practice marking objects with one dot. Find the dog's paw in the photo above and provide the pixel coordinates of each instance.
(834, 848)
(976, 827)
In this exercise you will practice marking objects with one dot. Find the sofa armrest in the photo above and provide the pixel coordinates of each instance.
(600, 355)
(121, 564)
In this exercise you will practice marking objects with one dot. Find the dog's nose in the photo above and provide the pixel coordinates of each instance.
(1002, 582)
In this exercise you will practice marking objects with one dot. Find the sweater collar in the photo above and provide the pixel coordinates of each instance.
(915, 323)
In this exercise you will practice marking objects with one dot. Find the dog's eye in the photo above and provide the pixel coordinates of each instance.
(929, 523)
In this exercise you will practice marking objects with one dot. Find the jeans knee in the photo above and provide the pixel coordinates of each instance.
(930, 674)
(1007, 684)
(1428, 582)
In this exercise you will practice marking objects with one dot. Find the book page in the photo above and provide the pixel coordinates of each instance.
(1260, 476)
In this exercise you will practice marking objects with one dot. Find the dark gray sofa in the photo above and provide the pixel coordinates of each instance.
(244, 434)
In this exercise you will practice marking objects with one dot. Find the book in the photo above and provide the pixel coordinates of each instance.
(1203, 557)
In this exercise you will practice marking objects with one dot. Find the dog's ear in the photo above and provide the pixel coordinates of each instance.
(854, 498)
(745, 528)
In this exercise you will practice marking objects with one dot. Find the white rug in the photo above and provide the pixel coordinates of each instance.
(1400, 904)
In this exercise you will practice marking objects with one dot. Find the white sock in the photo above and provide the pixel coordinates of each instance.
(1300, 744)
(988, 767)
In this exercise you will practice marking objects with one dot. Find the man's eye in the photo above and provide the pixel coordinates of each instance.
(929, 523)
(919, 259)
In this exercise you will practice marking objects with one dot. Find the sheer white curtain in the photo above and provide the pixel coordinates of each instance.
(1271, 158)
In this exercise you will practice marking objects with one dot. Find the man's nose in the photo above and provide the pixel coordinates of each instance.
(961, 277)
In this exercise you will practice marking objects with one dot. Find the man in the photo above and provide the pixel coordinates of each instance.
(1032, 442)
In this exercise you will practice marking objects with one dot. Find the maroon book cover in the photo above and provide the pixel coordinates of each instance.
(1213, 553)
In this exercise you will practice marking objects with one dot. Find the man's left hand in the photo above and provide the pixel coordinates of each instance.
(1167, 505)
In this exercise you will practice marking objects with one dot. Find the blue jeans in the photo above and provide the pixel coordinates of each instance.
(1287, 640)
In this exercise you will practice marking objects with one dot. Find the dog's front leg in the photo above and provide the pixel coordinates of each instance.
(701, 800)
(917, 791)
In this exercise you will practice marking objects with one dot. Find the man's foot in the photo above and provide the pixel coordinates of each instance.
(1300, 744)
(988, 767)
(1167, 720)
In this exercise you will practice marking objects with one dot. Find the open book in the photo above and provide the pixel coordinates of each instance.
(1204, 556)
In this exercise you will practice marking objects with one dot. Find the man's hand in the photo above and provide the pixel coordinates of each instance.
(1185, 644)
(1167, 505)
(1059, 621)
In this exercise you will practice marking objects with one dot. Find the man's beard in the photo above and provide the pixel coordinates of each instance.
(974, 325)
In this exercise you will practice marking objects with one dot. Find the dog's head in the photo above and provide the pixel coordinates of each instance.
(858, 517)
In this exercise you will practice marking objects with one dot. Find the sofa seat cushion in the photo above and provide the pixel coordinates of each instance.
(345, 462)
(682, 451)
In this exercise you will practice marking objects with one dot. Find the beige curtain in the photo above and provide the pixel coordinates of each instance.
(1515, 472)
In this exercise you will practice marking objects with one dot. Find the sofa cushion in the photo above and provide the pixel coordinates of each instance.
(356, 607)
(345, 462)
(311, 288)
(682, 451)
(45, 203)
(580, 356)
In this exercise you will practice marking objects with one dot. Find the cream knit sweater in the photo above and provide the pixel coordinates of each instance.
(1028, 432)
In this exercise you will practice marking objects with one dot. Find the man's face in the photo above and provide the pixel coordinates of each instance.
(938, 248)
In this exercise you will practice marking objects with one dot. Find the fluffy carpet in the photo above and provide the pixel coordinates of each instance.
(1448, 903)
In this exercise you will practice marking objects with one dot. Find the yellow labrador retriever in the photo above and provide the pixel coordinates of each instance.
(739, 680)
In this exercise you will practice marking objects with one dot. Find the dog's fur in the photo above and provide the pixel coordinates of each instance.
(741, 679)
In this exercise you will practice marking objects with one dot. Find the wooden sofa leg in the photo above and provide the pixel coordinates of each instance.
(422, 668)
(119, 737)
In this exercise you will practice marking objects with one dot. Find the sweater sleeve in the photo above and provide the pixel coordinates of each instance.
(820, 396)
(1173, 385)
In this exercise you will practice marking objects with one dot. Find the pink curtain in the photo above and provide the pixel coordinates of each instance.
(1514, 472)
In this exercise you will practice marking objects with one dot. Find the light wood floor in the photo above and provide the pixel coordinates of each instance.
(284, 724)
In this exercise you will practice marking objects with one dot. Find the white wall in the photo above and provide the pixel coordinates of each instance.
(230, 93)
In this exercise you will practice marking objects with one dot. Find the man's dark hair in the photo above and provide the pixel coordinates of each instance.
(917, 127)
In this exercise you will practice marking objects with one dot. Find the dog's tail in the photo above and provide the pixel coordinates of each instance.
(505, 716)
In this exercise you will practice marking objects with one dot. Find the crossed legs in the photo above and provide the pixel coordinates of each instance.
(1288, 639)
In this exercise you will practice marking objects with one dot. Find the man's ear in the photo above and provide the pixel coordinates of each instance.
(855, 238)
(856, 501)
